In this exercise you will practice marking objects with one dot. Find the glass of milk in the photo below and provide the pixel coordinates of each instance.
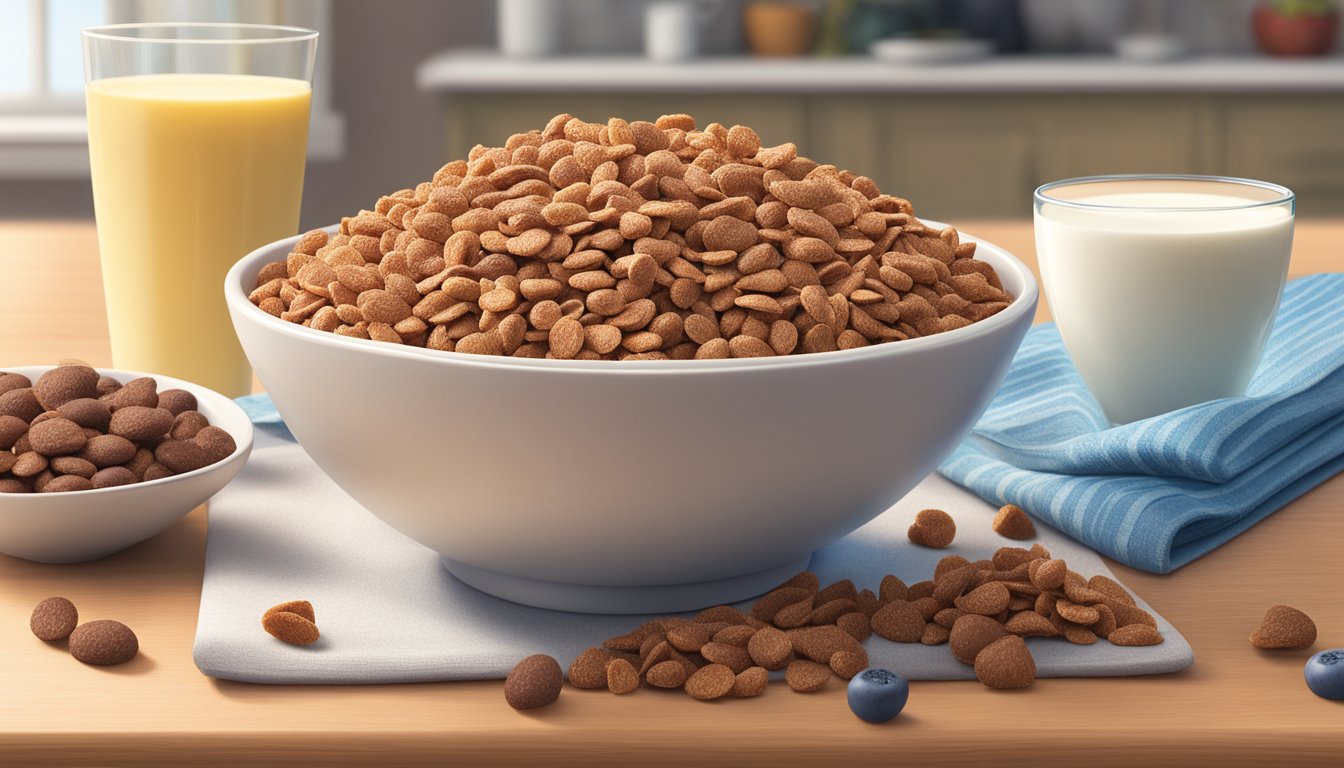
(1164, 287)
(197, 138)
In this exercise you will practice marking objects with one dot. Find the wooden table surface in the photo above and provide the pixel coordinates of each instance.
(1235, 706)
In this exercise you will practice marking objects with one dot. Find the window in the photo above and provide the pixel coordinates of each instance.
(42, 127)
(45, 37)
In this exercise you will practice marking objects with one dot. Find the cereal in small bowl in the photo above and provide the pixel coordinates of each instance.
(92, 462)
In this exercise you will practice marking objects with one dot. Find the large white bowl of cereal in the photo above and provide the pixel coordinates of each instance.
(590, 390)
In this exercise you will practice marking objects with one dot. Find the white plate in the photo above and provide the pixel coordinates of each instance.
(915, 51)
(1150, 48)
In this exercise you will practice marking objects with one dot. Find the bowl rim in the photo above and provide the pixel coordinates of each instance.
(1023, 303)
(242, 448)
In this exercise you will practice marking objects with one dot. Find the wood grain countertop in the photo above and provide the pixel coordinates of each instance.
(1235, 706)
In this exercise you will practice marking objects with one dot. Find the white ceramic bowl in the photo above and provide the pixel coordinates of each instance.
(76, 526)
(622, 487)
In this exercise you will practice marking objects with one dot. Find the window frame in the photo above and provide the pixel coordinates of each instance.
(45, 135)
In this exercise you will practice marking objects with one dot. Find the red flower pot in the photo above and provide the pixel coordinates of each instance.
(1280, 35)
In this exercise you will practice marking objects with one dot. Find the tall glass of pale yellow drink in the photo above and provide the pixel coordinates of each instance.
(197, 140)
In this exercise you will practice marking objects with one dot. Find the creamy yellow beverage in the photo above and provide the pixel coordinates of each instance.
(190, 173)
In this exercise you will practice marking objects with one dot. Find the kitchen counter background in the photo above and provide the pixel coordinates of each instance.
(963, 140)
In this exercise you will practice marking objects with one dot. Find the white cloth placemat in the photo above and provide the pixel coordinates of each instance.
(390, 613)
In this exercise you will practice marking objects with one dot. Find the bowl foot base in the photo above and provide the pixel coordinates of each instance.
(587, 598)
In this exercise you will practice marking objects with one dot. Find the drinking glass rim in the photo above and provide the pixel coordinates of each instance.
(109, 32)
(1285, 195)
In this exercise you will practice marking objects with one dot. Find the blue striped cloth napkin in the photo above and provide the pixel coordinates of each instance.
(1161, 492)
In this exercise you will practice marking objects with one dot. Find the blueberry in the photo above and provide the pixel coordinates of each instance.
(1325, 674)
(878, 695)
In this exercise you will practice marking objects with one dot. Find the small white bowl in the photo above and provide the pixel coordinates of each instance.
(76, 526)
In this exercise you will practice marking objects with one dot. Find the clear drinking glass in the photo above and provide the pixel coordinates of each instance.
(197, 141)
(1164, 287)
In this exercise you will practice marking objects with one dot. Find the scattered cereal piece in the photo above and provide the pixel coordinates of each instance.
(54, 619)
(1078, 614)
(892, 588)
(1284, 628)
(1006, 663)
(794, 615)
(1110, 588)
(712, 681)
(857, 624)
(533, 682)
(847, 664)
(935, 634)
(103, 643)
(290, 628)
(804, 580)
(806, 676)
(622, 677)
(1030, 624)
(1008, 558)
(630, 641)
(734, 657)
(770, 648)
(948, 616)
(750, 682)
(667, 674)
(735, 634)
(301, 607)
(971, 634)
(1011, 522)
(918, 590)
(987, 599)
(820, 643)
(1049, 574)
(933, 528)
(899, 621)
(1073, 632)
(589, 669)
(771, 603)
(1135, 634)
(689, 637)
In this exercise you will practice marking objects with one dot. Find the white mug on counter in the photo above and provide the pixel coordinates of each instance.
(672, 30)
(530, 29)
(1164, 287)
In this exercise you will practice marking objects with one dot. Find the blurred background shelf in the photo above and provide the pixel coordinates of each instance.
(489, 72)
(966, 140)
